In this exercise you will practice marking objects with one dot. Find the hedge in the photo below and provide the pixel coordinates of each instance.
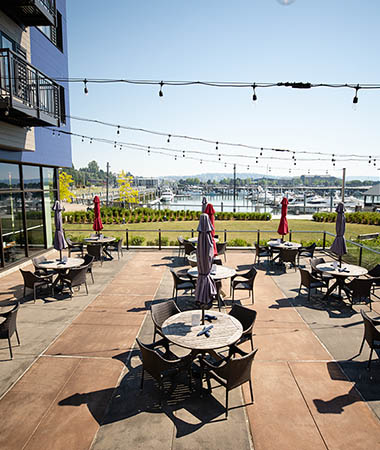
(370, 218)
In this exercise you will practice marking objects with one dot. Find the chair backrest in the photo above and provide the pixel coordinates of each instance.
(181, 240)
(38, 260)
(152, 361)
(375, 271)
(8, 327)
(95, 250)
(361, 288)
(70, 243)
(260, 249)
(221, 247)
(251, 275)
(77, 275)
(162, 311)
(30, 278)
(189, 248)
(305, 277)
(288, 255)
(177, 280)
(88, 260)
(237, 370)
(244, 315)
(119, 245)
(371, 333)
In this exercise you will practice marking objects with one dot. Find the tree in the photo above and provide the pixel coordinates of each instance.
(65, 180)
(93, 167)
(127, 193)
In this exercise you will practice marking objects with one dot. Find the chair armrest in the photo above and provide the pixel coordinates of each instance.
(235, 349)
(212, 366)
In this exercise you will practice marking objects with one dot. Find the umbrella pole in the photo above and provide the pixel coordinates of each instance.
(203, 315)
(340, 260)
(60, 255)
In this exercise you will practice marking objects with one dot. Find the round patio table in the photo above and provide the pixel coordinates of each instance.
(340, 273)
(220, 273)
(103, 241)
(178, 329)
(278, 244)
(194, 240)
(57, 264)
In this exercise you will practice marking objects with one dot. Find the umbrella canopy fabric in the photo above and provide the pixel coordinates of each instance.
(97, 226)
(206, 288)
(283, 227)
(339, 244)
(210, 211)
(59, 238)
(204, 204)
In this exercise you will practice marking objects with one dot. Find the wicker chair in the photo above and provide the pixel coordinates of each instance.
(243, 281)
(262, 251)
(161, 366)
(375, 273)
(38, 260)
(181, 283)
(309, 282)
(181, 245)
(247, 318)
(307, 252)
(74, 247)
(289, 255)
(96, 250)
(230, 372)
(33, 281)
(371, 335)
(160, 312)
(8, 327)
(88, 262)
(221, 248)
(116, 247)
(189, 248)
(75, 277)
(359, 290)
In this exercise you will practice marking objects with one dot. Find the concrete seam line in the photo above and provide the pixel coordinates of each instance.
(247, 421)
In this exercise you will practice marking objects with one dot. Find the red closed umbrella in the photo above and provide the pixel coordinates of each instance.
(210, 211)
(283, 227)
(97, 226)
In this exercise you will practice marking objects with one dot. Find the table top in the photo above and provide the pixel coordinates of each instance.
(179, 330)
(347, 270)
(56, 264)
(221, 272)
(284, 244)
(100, 240)
(194, 240)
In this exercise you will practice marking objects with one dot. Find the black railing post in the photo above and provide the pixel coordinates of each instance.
(192, 232)
(360, 255)
(127, 238)
(290, 235)
(324, 240)
(159, 239)
(225, 235)
(258, 237)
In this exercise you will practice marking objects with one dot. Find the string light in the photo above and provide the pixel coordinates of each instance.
(200, 161)
(82, 138)
(175, 157)
(160, 93)
(254, 96)
(118, 129)
(219, 157)
(247, 167)
(216, 145)
(114, 146)
(169, 136)
(85, 89)
(148, 151)
(183, 153)
(356, 99)
(261, 151)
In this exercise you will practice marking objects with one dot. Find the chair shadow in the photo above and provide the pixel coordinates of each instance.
(366, 385)
(112, 405)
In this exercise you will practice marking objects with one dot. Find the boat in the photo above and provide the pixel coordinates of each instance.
(167, 195)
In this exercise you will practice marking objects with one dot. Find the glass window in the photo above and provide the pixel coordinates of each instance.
(49, 198)
(12, 227)
(48, 178)
(32, 179)
(34, 222)
(9, 176)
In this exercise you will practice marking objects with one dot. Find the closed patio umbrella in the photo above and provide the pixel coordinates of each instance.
(339, 244)
(59, 238)
(206, 288)
(97, 226)
(283, 227)
(204, 204)
(210, 211)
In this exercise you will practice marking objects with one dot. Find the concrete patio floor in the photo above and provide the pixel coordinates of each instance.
(74, 381)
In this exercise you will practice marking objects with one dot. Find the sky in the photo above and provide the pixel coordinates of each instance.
(253, 41)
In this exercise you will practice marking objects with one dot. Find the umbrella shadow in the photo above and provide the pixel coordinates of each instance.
(126, 401)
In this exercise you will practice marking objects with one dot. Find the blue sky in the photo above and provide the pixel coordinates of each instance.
(324, 41)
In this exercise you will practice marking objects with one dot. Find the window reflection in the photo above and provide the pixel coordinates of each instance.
(9, 176)
(49, 198)
(48, 178)
(12, 227)
(34, 221)
(32, 179)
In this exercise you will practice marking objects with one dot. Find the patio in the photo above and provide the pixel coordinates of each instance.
(74, 381)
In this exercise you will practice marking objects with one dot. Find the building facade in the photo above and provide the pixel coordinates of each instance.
(33, 108)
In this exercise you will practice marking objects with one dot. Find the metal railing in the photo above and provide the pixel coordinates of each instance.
(48, 4)
(22, 81)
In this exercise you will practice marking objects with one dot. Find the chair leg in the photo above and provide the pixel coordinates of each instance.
(18, 339)
(92, 277)
(142, 379)
(253, 300)
(10, 347)
(308, 295)
(250, 388)
(86, 287)
(226, 403)
(370, 358)
(362, 344)
(251, 343)
(34, 293)
(233, 294)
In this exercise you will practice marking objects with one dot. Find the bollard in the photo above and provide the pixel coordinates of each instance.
(258, 237)
(192, 232)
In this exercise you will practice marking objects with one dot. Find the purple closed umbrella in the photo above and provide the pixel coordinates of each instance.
(339, 244)
(206, 288)
(204, 204)
(59, 238)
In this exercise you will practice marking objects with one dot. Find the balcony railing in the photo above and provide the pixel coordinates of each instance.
(30, 12)
(27, 96)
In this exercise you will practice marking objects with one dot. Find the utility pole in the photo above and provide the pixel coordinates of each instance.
(234, 187)
(108, 173)
(343, 184)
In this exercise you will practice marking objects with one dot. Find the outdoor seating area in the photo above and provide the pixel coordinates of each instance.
(299, 352)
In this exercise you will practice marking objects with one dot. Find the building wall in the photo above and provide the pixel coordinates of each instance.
(49, 150)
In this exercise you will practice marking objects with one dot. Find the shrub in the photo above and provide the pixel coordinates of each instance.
(238, 243)
(164, 241)
(137, 240)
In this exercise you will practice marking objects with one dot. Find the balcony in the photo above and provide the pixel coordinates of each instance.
(30, 12)
(27, 96)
